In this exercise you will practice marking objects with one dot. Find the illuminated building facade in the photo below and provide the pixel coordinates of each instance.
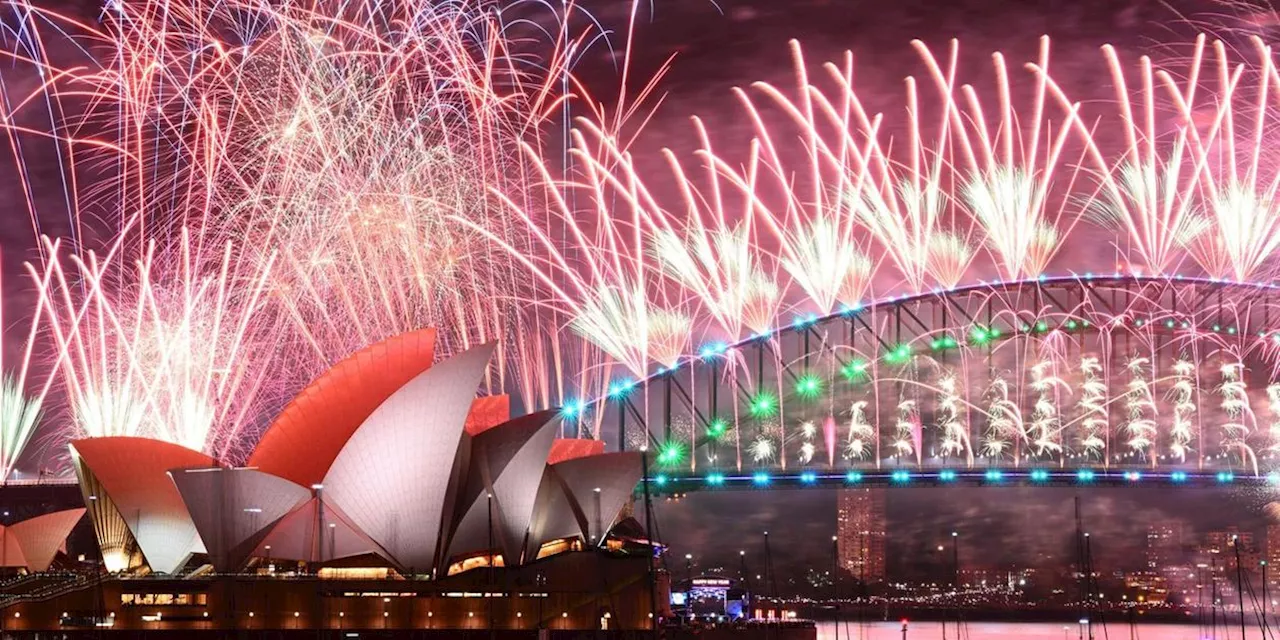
(860, 533)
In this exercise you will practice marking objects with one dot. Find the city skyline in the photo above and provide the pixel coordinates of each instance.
(997, 527)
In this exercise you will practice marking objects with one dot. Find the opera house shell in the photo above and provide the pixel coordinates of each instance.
(388, 458)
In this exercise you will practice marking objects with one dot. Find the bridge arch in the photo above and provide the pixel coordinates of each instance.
(1095, 372)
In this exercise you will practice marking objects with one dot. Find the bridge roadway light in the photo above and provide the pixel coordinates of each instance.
(994, 475)
(900, 476)
(853, 476)
(1084, 475)
(715, 479)
(1039, 475)
(1178, 476)
(947, 475)
(1225, 476)
(808, 477)
(760, 478)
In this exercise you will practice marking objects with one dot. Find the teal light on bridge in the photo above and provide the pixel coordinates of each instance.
(901, 477)
(1168, 324)
(1039, 475)
(1042, 326)
(805, 321)
(808, 477)
(1133, 476)
(660, 480)
(852, 477)
(713, 349)
(1178, 476)
(760, 478)
(854, 371)
(572, 409)
(809, 386)
(763, 405)
(1273, 478)
(715, 479)
(994, 475)
(1084, 475)
(1226, 476)
(619, 389)
(947, 475)
(1071, 325)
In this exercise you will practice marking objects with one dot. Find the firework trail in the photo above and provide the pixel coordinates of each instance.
(1004, 421)
(1008, 186)
(861, 443)
(1094, 423)
(20, 409)
(1045, 428)
(1140, 425)
(1183, 396)
(173, 357)
(951, 424)
(715, 257)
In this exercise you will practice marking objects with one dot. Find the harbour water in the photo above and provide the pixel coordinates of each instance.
(1028, 631)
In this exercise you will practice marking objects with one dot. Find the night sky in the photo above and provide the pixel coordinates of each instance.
(731, 43)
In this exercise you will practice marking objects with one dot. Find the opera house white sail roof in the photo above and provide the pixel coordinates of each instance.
(388, 454)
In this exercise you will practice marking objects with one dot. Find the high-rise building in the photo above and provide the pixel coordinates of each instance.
(860, 533)
(1272, 556)
(1164, 545)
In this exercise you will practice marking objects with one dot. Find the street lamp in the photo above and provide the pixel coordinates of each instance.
(688, 568)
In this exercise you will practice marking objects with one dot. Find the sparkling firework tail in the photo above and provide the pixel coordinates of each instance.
(1094, 423)
(1004, 421)
(1150, 195)
(20, 410)
(1140, 408)
(1007, 186)
(903, 205)
(173, 357)
(951, 423)
(1183, 396)
(1240, 192)
(862, 434)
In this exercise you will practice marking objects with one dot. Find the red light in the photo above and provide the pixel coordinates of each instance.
(904, 622)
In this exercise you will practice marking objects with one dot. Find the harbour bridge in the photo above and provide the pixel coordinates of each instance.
(1088, 378)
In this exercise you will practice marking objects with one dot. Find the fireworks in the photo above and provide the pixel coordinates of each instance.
(290, 183)
(172, 359)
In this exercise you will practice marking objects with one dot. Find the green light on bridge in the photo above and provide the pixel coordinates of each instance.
(717, 428)
(763, 405)
(809, 386)
(944, 342)
(671, 453)
(981, 335)
(899, 354)
(854, 371)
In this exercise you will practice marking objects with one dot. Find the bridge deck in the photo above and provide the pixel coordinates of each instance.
(990, 477)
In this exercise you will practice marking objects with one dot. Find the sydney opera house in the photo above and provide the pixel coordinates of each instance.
(387, 495)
